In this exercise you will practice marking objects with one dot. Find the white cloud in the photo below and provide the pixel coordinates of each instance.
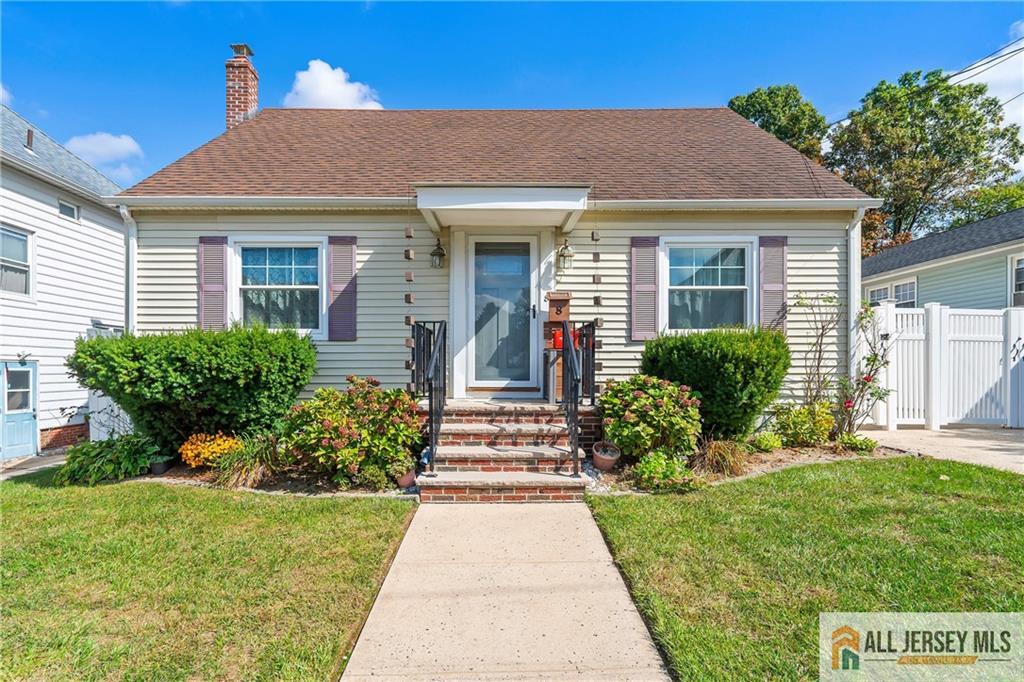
(103, 148)
(110, 154)
(323, 87)
(5, 95)
(1005, 80)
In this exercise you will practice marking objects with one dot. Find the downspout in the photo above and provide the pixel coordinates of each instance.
(131, 247)
(853, 288)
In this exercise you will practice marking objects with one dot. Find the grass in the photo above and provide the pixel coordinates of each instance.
(732, 578)
(146, 581)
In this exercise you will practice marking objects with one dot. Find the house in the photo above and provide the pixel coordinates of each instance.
(354, 225)
(62, 275)
(980, 265)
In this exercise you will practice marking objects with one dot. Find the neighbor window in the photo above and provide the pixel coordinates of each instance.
(876, 296)
(1018, 283)
(708, 286)
(280, 286)
(67, 210)
(905, 294)
(14, 265)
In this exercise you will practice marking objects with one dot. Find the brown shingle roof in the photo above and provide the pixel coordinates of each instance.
(621, 153)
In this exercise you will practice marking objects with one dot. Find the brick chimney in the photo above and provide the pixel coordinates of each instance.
(243, 86)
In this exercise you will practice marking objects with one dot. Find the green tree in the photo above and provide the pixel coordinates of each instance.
(986, 202)
(782, 111)
(922, 143)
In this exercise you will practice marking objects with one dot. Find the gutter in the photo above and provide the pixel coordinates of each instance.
(130, 253)
(733, 204)
(853, 287)
(252, 201)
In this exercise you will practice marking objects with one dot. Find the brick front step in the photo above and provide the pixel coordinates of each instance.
(500, 487)
(513, 434)
(502, 412)
(543, 459)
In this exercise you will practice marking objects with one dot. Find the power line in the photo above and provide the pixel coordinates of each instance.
(1004, 103)
(989, 61)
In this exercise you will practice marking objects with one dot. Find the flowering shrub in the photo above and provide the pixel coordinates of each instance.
(855, 397)
(643, 413)
(202, 449)
(660, 471)
(804, 426)
(364, 435)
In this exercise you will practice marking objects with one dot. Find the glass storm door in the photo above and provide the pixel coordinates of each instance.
(503, 312)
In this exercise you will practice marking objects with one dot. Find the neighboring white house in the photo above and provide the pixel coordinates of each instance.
(62, 274)
(980, 265)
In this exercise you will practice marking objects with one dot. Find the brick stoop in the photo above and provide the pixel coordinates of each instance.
(500, 486)
(506, 434)
(535, 459)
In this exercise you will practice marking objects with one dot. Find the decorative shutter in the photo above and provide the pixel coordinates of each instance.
(213, 294)
(643, 287)
(341, 297)
(773, 282)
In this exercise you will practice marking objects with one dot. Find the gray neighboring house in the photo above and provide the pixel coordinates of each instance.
(980, 265)
(62, 275)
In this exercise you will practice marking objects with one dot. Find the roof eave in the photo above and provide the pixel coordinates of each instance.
(732, 204)
(52, 178)
(255, 201)
(996, 249)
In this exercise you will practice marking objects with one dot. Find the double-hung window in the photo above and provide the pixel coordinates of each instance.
(15, 269)
(876, 296)
(1017, 282)
(281, 286)
(905, 294)
(707, 285)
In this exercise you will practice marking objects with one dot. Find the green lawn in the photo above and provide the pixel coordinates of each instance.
(148, 581)
(732, 578)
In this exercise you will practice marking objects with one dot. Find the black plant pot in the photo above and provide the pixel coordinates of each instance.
(157, 468)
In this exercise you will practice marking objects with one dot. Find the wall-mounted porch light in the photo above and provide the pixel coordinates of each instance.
(437, 256)
(565, 255)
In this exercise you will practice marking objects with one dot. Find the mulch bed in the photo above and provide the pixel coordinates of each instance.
(289, 481)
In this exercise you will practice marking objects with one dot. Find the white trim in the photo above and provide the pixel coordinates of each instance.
(993, 250)
(733, 204)
(872, 290)
(260, 201)
(458, 325)
(131, 251)
(77, 209)
(1011, 266)
(30, 240)
(469, 313)
(32, 378)
(892, 291)
(853, 290)
(53, 179)
(234, 279)
(710, 241)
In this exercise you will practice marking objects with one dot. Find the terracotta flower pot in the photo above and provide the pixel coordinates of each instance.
(606, 455)
(408, 479)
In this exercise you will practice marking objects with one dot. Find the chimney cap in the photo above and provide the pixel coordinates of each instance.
(241, 49)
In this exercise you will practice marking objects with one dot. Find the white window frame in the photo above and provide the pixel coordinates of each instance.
(76, 207)
(873, 290)
(31, 240)
(235, 245)
(31, 388)
(751, 269)
(892, 292)
(1015, 261)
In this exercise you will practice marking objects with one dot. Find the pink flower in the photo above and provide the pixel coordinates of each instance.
(325, 442)
(353, 468)
(326, 423)
(868, 378)
(848, 405)
(638, 394)
(338, 444)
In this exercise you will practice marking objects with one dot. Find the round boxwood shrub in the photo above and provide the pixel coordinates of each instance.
(239, 380)
(737, 373)
(643, 414)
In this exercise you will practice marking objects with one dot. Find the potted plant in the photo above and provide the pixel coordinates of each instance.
(159, 464)
(606, 455)
(408, 479)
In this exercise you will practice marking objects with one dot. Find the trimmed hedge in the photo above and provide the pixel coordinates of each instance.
(240, 380)
(736, 373)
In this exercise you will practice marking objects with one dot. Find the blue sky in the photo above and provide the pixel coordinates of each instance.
(140, 84)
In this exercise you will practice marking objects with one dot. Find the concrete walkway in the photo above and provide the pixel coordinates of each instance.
(28, 465)
(504, 592)
(994, 447)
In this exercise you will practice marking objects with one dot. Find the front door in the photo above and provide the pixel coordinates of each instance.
(503, 312)
(18, 409)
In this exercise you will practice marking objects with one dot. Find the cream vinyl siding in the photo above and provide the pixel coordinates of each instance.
(168, 296)
(78, 278)
(816, 264)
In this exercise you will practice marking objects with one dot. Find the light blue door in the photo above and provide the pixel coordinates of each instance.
(18, 409)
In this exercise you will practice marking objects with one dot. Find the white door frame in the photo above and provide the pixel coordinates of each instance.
(460, 300)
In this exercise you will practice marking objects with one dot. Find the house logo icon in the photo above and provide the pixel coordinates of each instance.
(845, 649)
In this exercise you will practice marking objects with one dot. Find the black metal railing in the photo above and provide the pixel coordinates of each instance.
(430, 378)
(587, 335)
(572, 376)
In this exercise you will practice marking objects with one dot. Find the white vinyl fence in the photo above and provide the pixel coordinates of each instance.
(952, 366)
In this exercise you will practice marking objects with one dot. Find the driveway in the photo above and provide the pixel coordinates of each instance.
(994, 447)
(504, 592)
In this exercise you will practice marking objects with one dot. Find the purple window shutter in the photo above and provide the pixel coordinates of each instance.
(213, 293)
(643, 287)
(341, 297)
(773, 282)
